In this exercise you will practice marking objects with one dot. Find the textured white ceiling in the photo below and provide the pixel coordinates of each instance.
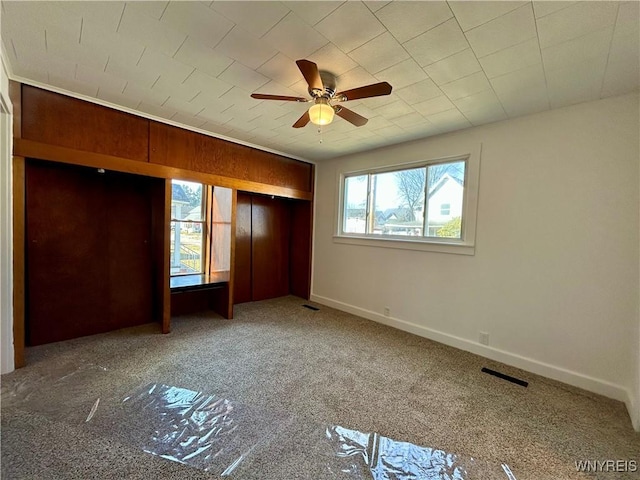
(452, 64)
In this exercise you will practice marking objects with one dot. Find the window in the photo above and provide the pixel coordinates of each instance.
(425, 203)
(188, 228)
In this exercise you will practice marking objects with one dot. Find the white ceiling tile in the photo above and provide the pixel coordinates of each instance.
(454, 67)
(201, 82)
(403, 74)
(165, 66)
(486, 114)
(72, 85)
(545, 7)
(594, 46)
(25, 47)
(419, 92)
(255, 17)
(395, 109)
(463, 87)
(49, 15)
(281, 69)
(149, 31)
(203, 58)
(511, 59)
(106, 14)
(245, 48)
(151, 9)
(375, 5)
(118, 48)
(438, 43)
(238, 97)
(92, 76)
(408, 120)
(449, 120)
(156, 110)
(184, 108)
(59, 43)
(357, 77)
(621, 78)
(473, 14)
(477, 101)
(117, 98)
(332, 59)
(625, 48)
(198, 21)
(380, 53)
(186, 119)
(506, 31)
(243, 77)
(313, 12)
(434, 105)
(406, 20)
(378, 122)
(575, 21)
(531, 77)
(376, 102)
(391, 131)
(144, 94)
(350, 26)
(628, 20)
(215, 128)
(524, 101)
(575, 83)
(295, 38)
(132, 73)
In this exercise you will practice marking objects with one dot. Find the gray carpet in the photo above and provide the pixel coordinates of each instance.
(290, 393)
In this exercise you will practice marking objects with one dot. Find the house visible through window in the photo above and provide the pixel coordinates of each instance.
(421, 202)
(188, 228)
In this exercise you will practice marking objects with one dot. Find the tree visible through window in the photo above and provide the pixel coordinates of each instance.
(425, 201)
(188, 228)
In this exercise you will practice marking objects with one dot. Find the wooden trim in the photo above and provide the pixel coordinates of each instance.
(166, 263)
(232, 264)
(208, 261)
(19, 264)
(15, 95)
(42, 151)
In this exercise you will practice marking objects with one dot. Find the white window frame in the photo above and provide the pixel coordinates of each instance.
(462, 246)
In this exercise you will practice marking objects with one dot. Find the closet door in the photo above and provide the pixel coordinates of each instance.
(67, 265)
(270, 233)
(89, 266)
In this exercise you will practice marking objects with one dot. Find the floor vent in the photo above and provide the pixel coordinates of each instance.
(508, 378)
(310, 307)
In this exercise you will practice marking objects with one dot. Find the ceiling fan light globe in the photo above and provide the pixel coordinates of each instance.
(321, 114)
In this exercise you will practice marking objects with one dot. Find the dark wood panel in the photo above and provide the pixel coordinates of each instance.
(43, 151)
(242, 265)
(175, 147)
(89, 261)
(56, 119)
(66, 266)
(160, 217)
(270, 230)
(300, 253)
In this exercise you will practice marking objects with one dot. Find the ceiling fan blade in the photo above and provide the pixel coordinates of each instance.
(311, 74)
(302, 121)
(350, 116)
(265, 96)
(374, 90)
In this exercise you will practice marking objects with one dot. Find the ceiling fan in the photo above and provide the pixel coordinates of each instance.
(322, 88)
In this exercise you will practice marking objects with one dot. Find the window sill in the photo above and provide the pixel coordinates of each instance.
(457, 248)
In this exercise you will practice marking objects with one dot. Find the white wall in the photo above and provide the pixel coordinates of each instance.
(6, 229)
(554, 278)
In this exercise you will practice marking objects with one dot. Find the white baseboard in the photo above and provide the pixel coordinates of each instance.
(601, 387)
